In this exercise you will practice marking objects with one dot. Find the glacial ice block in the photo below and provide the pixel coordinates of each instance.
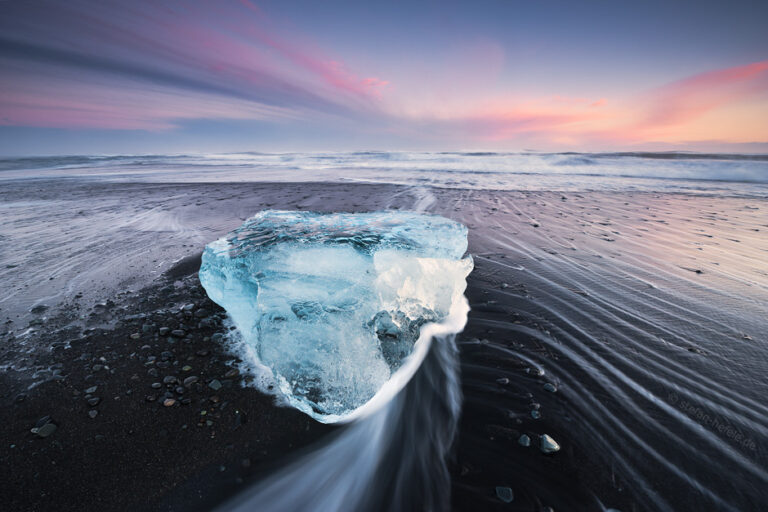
(333, 304)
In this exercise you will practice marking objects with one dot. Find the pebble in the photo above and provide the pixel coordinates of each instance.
(179, 333)
(135, 336)
(191, 380)
(524, 440)
(156, 385)
(163, 331)
(214, 385)
(503, 381)
(535, 414)
(505, 494)
(550, 387)
(44, 427)
(97, 367)
(186, 368)
(234, 372)
(93, 413)
(548, 445)
(170, 379)
(91, 390)
(93, 402)
(168, 402)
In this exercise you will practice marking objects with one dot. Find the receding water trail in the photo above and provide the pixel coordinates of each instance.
(393, 458)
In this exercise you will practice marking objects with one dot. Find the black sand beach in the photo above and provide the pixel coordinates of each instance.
(629, 327)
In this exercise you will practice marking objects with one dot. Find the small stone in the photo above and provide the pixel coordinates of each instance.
(97, 367)
(190, 380)
(45, 430)
(186, 368)
(234, 372)
(151, 398)
(168, 402)
(503, 381)
(93, 413)
(548, 445)
(93, 402)
(505, 494)
(550, 387)
(135, 336)
(524, 440)
(91, 390)
(156, 385)
(214, 385)
(179, 333)
(535, 414)
(179, 390)
(163, 331)
(170, 379)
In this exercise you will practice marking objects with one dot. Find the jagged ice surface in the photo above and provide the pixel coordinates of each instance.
(333, 304)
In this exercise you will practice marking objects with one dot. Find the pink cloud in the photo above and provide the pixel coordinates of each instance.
(690, 98)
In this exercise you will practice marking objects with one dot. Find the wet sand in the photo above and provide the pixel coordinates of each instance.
(643, 312)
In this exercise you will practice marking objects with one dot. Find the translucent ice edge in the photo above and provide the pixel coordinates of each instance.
(278, 276)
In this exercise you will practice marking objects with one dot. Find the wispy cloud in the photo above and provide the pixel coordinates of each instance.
(230, 70)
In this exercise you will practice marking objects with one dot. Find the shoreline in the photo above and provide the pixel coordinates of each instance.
(611, 298)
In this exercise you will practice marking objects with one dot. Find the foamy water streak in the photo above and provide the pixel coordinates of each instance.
(392, 456)
(638, 171)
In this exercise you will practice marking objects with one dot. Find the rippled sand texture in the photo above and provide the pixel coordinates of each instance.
(648, 312)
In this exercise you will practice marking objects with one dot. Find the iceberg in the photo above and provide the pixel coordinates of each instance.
(333, 304)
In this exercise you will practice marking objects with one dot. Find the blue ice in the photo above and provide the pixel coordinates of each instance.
(333, 304)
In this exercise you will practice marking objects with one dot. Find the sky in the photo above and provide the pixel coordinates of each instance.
(140, 76)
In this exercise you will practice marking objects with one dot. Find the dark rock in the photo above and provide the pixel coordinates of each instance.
(505, 494)
(44, 430)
